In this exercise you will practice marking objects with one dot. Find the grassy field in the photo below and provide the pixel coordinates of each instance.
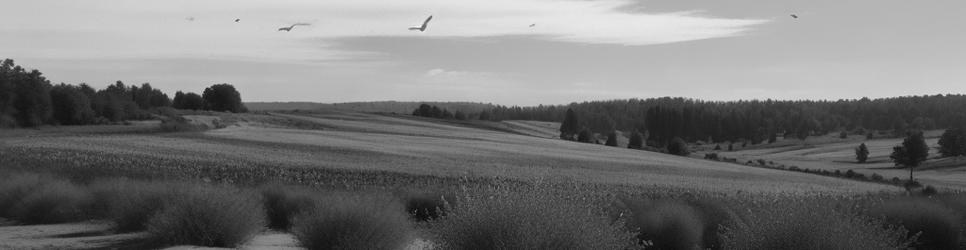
(350, 178)
(355, 143)
(826, 153)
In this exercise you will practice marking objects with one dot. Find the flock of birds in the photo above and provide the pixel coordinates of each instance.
(421, 28)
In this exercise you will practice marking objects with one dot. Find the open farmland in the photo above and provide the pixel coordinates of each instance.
(366, 145)
(839, 155)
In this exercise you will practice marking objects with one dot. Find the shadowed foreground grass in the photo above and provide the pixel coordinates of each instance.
(539, 216)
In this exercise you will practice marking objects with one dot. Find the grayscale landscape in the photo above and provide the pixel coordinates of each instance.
(503, 124)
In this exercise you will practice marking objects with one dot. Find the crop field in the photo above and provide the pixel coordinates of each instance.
(840, 155)
(367, 145)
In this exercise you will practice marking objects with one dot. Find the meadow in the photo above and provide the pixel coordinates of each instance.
(328, 179)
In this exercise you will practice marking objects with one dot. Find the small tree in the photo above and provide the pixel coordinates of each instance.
(911, 153)
(862, 153)
(636, 141)
(585, 136)
(953, 142)
(678, 146)
(611, 139)
(569, 126)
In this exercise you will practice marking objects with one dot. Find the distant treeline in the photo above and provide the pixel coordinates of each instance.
(756, 121)
(369, 107)
(28, 99)
(432, 111)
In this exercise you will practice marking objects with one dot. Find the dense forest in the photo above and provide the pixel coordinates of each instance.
(755, 121)
(28, 99)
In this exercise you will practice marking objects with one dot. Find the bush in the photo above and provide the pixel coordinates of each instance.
(876, 177)
(938, 226)
(783, 224)
(55, 201)
(353, 223)
(13, 188)
(180, 124)
(208, 216)
(130, 204)
(678, 147)
(223, 98)
(282, 204)
(429, 206)
(666, 224)
(527, 221)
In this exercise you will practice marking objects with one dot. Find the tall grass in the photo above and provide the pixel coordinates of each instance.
(806, 225)
(937, 226)
(665, 224)
(283, 203)
(505, 220)
(37, 199)
(130, 204)
(354, 223)
(426, 206)
(208, 216)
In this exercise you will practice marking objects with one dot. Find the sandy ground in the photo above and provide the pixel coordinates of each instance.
(95, 235)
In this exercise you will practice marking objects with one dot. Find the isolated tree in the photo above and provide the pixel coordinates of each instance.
(911, 153)
(678, 146)
(569, 126)
(70, 105)
(953, 142)
(862, 153)
(611, 139)
(223, 97)
(636, 140)
(585, 136)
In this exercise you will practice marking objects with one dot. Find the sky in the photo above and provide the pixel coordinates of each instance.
(486, 51)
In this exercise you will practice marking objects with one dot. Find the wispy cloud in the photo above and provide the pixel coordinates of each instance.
(132, 29)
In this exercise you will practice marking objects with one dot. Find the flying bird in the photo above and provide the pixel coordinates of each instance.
(237, 20)
(423, 27)
(190, 18)
(289, 28)
(794, 16)
(533, 25)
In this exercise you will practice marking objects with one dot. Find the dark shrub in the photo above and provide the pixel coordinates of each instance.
(55, 201)
(527, 221)
(711, 156)
(876, 177)
(938, 226)
(353, 223)
(282, 204)
(210, 216)
(180, 124)
(429, 206)
(849, 174)
(223, 97)
(678, 147)
(666, 224)
(762, 162)
(929, 191)
(15, 187)
(130, 204)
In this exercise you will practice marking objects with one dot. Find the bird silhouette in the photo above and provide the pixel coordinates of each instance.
(794, 16)
(190, 18)
(289, 28)
(533, 25)
(423, 27)
(237, 20)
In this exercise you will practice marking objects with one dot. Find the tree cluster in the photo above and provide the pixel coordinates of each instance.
(432, 111)
(28, 99)
(953, 142)
(754, 121)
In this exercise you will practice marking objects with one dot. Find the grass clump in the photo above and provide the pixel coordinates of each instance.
(14, 187)
(282, 204)
(665, 224)
(353, 223)
(208, 216)
(506, 220)
(937, 226)
(130, 204)
(53, 201)
(428, 206)
(807, 225)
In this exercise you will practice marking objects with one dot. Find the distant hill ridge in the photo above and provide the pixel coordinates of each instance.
(369, 107)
